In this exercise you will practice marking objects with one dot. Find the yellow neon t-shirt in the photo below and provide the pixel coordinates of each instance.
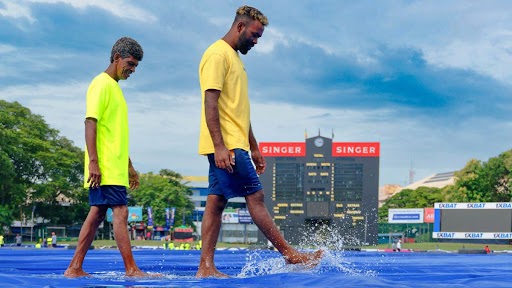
(222, 69)
(105, 102)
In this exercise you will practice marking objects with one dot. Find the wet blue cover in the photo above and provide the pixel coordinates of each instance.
(29, 267)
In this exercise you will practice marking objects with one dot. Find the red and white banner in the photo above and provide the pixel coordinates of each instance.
(355, 149)
(283, 149)
(429, 215)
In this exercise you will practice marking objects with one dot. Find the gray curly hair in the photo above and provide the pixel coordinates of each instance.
(127, 47)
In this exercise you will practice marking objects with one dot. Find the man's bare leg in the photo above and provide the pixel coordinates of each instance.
(87, 233)
(210, 229)
(120, 222)
(262, 219)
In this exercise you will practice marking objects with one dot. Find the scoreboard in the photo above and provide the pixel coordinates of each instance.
(320, 183)
(484, 220)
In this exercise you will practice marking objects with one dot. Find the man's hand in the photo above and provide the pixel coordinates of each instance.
(133, 179)
(94, 179)
(259, 161)
(224, 159)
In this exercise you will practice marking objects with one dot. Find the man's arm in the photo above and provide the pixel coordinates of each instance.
(223, 159)
(256, 156)
(132, 176)
(94, 178)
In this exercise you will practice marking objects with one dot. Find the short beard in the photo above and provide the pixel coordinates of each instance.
(241, 44)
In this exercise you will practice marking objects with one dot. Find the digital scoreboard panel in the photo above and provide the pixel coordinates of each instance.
(486, 220)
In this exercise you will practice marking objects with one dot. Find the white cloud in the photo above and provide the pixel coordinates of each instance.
(273, 37)
(63, 107)
(119, 8)
(220, 22)
(16, 11)
(473, 36)
(270, 39)
(490, 55)
(4, 49)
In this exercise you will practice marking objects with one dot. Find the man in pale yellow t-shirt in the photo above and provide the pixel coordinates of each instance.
(226, 138)
(108, 170)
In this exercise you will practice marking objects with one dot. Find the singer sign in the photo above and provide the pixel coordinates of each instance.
(283, 149)
(356, 149)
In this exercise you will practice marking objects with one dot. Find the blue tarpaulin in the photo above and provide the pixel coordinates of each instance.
(29, 267)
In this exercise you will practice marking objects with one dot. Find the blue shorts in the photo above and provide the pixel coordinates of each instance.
(242, 182)
(108, 195)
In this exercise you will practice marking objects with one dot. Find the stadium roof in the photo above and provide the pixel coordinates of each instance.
(196, 181)
(439, 180)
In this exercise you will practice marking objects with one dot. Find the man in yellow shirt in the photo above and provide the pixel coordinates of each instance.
(226, 136)
(108, 170)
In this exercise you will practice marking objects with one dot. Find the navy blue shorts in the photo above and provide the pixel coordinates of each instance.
(242, 182)
(108, 195)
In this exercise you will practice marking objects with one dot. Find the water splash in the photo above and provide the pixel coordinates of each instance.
(330, 239)
(338, 261)
(260, 262)
(325, 237)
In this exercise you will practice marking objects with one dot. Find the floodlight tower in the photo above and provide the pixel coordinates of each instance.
(411, 175)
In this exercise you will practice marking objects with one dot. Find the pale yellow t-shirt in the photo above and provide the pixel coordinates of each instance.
(222, 69)
(105, 102)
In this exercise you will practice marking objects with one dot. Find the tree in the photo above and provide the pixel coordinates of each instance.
(485, 181)
(162, 191)
(496, 177)
(6, 217)
(37, 167)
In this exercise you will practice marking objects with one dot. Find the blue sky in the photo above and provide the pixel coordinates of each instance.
(430, 80)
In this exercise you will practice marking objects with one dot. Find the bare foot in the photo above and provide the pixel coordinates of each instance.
(75, 273)
(207, 272)
(309, 260)
(136, 273)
